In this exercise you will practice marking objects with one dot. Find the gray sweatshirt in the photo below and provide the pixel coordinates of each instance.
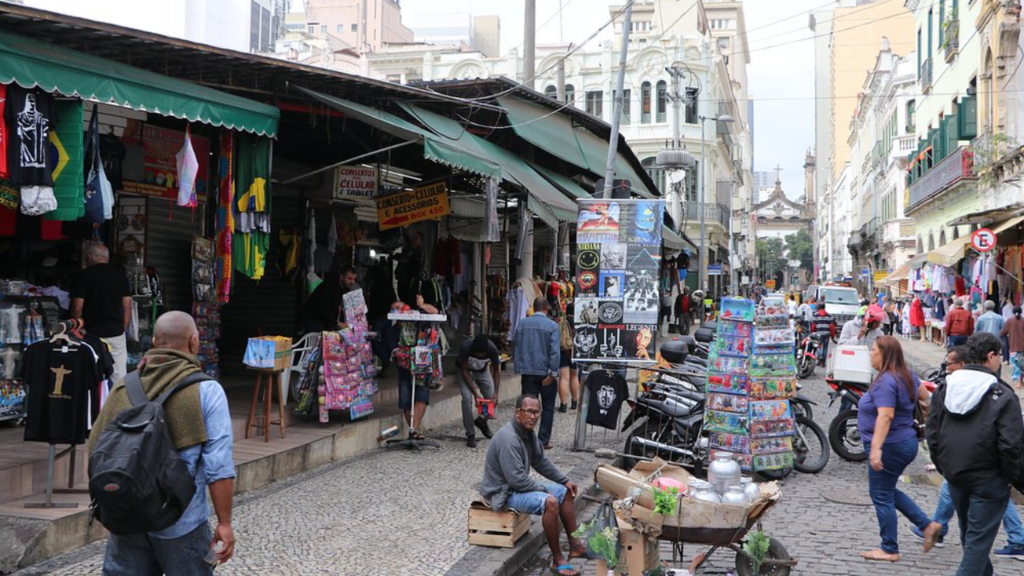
(510, 455)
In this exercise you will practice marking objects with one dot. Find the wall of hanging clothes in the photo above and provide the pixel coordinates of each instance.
(25, 319)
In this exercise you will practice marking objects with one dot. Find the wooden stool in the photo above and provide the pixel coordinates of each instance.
(270, 380)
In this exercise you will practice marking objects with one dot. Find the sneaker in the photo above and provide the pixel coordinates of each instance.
(919, 534)
(484, 428)
(471, 441)
(1011, 551)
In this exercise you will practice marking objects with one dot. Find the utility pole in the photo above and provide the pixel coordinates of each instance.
(529, 42)
(613, 141)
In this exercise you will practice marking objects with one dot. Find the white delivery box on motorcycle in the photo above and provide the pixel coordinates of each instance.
(850, 363)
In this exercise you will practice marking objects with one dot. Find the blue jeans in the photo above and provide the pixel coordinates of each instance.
(979, 510)
(406, 393)
(957, 341)
(887, 498)
(945, 510)
(533, 386)
(143, 555)
(533, 502)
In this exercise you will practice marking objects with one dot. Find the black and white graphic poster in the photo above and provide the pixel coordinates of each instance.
(618, 261)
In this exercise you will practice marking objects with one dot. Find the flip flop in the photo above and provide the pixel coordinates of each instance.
(559, 570)
(880, 556)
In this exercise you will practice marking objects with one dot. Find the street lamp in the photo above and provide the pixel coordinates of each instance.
(703, 208)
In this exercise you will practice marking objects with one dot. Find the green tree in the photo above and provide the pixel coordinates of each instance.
(800, 246)
(769, 256)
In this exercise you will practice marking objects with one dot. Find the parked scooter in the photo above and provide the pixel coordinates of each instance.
(807, 356)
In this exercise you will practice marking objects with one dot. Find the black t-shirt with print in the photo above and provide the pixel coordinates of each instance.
(30, 118)
(58, 392)
(607, 393)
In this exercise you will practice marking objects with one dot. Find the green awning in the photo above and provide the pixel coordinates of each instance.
(450, 152)
(555, 133)
(31, 63)
(563, 182)
(546, 202)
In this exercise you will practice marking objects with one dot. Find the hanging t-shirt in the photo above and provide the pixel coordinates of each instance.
(30, 117)
(58, 392)
(607, 393)
(4, 133)
(113, 152)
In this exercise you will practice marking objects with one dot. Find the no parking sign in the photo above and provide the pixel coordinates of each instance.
(983, 240)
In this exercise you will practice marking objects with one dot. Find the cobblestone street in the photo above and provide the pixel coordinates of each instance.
(393, 513)
(826, 520)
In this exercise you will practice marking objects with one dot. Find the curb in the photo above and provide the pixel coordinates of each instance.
(508, 561)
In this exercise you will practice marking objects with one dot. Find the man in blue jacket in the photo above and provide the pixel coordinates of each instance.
(536, 352)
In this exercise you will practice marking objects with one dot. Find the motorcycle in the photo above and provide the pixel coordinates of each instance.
(843, 434)
(807, 356)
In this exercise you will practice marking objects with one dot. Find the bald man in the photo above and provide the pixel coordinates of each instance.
(200, 427)
(102, 298)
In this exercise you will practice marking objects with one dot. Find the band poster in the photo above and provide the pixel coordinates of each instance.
(618, 262)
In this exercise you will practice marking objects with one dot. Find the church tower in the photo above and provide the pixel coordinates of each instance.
(809, 165)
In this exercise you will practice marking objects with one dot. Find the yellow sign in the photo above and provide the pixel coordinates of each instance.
(880, 275)
(769, 284)
(405, 208)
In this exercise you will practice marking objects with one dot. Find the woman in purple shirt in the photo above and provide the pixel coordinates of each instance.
(886, 421)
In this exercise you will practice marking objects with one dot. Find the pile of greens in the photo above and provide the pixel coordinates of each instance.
(666, 502)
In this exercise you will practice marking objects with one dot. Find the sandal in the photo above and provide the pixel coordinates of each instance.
(880, 556)
(417, 436)
(561, 570)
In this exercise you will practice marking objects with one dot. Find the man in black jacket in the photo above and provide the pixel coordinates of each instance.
(324, 310)
(975, 435)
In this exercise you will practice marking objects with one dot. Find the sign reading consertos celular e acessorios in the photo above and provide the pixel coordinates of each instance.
(404, 208)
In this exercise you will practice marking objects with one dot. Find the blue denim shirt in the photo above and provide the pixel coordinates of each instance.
(208, 462)
(536, 346)
(990, 322)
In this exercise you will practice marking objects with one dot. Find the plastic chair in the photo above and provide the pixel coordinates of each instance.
(298, 351)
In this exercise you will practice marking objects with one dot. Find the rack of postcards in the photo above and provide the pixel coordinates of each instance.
(751, 375)
(205, 308)
(349, 369)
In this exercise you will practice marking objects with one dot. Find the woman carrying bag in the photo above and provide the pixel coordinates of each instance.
(886, 422)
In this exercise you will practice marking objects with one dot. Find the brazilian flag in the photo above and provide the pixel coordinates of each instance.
(67, 153)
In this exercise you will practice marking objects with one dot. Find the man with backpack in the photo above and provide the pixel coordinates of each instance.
(166, 529)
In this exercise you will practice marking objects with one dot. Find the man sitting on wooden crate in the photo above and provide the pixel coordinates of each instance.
(513, 451)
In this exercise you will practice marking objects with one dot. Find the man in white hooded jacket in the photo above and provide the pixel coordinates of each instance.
(975, 434)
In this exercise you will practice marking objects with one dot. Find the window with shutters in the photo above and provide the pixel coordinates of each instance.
(662, 102)
(645, 103)
(595, 102)
(691, 106)
(570, 94)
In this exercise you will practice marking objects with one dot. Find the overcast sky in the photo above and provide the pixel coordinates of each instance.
(781, 76)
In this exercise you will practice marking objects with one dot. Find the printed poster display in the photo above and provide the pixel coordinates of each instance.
(159, 167)
(618, 262)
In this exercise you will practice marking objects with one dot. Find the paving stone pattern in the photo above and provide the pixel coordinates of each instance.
(396, 513)
(826, 536)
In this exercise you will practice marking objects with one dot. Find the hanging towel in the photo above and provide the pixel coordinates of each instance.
(188, 170)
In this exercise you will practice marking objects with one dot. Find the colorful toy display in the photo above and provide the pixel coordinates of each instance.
(349, 369)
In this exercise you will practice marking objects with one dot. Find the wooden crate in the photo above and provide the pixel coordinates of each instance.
(500, 529)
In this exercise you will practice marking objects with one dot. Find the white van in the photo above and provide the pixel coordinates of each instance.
(841, 302)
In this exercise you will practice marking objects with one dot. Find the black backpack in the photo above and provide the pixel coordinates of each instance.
(137, 481)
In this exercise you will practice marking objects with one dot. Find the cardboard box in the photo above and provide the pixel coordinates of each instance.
(639, 553)
(851, 363)
(500, 529)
